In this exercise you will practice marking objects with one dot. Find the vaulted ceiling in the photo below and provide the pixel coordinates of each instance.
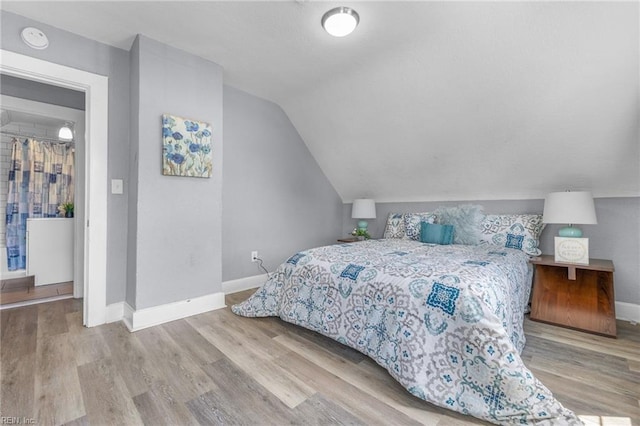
(425, 100)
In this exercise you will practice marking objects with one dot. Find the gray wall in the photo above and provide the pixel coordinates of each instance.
(78, 52)
(615, 237)
(132, 200)
(275, 198)
(178, 240)
(40, 92)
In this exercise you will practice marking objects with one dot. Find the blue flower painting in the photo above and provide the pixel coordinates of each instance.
(187, 147)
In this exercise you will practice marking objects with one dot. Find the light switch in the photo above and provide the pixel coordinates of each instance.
(117, 187)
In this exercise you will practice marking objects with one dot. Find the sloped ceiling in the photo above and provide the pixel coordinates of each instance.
(425, 100)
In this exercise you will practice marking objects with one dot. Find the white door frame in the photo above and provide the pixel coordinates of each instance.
(96, 89)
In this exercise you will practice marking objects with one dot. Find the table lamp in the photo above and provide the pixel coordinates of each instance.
(363, 208)
(570, 208)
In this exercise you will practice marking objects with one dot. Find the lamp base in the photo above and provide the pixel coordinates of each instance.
(362, 225)
(570, 232)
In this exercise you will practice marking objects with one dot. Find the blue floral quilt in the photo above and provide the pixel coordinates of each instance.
(444, 320)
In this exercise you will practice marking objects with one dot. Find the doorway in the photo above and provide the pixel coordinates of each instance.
(54, 258)
(94, 225)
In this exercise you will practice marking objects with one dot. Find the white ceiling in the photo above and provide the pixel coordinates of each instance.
(11, 116)
(425, 100)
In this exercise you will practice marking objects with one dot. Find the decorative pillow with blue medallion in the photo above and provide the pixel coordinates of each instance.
(518, 231)
(412, 223)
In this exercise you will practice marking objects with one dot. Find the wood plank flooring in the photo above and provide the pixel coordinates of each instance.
(218, 368)
(22, 289)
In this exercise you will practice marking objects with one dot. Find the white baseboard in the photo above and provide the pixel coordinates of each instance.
(142, 318)
(127, 315)
(628, 312)
(115, 312)
(234, 286)
(172, 311)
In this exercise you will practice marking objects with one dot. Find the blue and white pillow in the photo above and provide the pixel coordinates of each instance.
(395, 226)
(518, 231)
(412, 224)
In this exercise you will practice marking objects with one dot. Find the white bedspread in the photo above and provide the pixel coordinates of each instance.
(445, 321)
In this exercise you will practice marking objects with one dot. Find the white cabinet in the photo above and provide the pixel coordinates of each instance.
(50, 250)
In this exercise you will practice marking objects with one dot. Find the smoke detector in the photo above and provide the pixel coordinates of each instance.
(34, 38)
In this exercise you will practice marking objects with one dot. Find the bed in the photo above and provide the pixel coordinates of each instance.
(446, 321)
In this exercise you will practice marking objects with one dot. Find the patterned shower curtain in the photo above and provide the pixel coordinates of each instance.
(40, 179)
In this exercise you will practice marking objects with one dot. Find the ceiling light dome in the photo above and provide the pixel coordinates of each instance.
(65, 133)
(340, 21)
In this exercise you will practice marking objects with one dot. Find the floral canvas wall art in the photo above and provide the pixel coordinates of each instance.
(186, 147)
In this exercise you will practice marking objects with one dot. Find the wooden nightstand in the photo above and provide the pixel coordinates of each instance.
(574, 296)
(348, 240)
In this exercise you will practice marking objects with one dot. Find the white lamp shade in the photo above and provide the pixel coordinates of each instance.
(570, 208)
(363, 208)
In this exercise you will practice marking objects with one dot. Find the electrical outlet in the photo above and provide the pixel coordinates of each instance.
(254, 256)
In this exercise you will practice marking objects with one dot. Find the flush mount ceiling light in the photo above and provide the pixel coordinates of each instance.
(340, 21)
(65, 133)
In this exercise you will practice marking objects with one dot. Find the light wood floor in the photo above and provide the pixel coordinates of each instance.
(218, 368)
(22, 289)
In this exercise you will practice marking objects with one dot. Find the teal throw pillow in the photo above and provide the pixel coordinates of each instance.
(436, 234)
